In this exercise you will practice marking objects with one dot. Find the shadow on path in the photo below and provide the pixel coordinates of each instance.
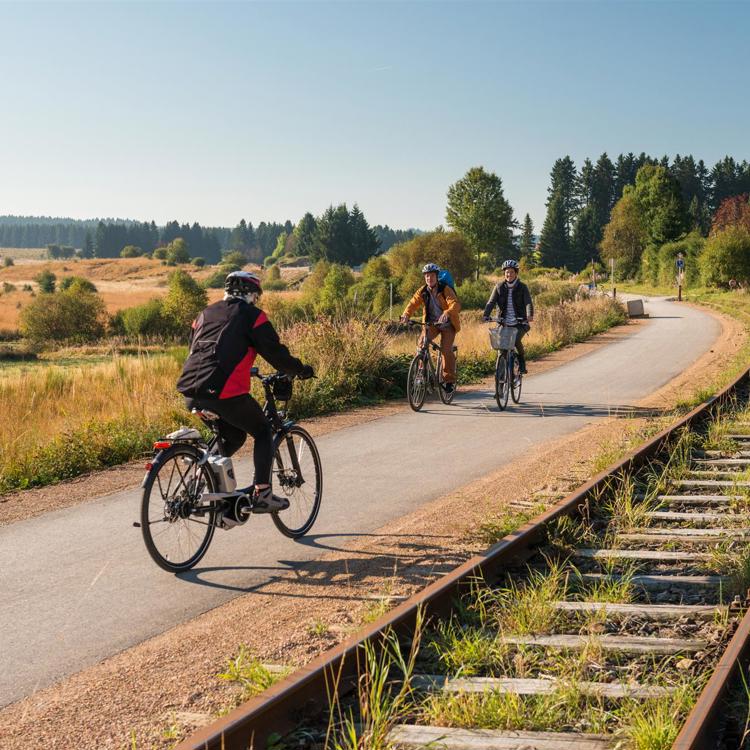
(416, 562)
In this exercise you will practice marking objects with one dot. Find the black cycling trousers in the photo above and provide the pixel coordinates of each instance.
(519, 346)
(240, 416)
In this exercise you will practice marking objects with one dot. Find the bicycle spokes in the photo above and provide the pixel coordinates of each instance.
(297, 476)
(176, 526)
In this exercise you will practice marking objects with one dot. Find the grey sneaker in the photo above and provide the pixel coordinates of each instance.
(265, 501)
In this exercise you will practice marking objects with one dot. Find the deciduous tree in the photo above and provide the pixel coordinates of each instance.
(477, 208)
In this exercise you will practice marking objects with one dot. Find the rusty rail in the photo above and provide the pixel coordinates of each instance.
(306, 691)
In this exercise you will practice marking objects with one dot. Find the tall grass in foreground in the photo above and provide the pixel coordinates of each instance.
(61, 422)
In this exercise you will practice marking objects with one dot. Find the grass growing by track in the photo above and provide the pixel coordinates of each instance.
(62, 421)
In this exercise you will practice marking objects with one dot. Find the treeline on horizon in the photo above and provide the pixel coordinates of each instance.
(580, 201)
(106, 238)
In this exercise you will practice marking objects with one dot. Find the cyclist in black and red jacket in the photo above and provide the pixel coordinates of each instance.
(224, 342)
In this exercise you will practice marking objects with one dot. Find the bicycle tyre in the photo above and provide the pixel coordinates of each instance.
(416, 382)
(302, 505)
(516, 380)
(446, 398)
(502, 386)
(173, 510)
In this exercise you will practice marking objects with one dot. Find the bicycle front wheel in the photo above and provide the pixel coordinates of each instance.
(502, 386)
(416, 382)
(176, 530)
(516, 380)
(445, 397)
(297, 475)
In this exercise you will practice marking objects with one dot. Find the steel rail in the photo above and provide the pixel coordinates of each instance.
(306, 692)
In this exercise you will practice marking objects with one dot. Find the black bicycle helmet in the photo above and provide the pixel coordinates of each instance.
(240, 283)
(511, 264)
(431, 268)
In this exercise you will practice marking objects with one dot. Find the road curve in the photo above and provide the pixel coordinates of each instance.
(77, 585)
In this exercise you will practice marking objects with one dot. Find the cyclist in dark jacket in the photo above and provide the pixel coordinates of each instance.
(224, 342)
(513, 299)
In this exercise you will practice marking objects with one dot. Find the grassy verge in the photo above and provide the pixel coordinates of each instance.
(66, 419)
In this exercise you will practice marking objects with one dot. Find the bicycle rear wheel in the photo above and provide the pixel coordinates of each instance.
(297, 474)
(445, 397)
(516, 380)
(502, 386)
(416, 382)
(177, 534)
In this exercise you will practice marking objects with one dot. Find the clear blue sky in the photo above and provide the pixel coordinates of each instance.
(213, 112)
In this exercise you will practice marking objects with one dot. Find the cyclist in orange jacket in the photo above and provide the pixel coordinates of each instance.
(441, 311)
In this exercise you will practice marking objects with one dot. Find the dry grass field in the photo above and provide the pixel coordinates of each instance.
(122, 282)
(23, 254)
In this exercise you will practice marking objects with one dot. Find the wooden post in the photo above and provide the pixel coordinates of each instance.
(390, 308)
(612, 276)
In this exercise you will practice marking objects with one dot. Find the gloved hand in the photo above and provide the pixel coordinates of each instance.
(485, 318)
(307, 373)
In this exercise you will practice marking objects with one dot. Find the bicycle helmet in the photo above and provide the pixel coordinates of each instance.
(431, 268)
(242, 283)
(510, 264)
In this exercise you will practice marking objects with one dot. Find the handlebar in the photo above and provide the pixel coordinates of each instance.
(501, 321)
(274, 376)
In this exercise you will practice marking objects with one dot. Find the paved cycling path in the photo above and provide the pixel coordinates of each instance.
(77, 585)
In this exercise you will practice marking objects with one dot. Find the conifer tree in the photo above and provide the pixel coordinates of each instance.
(553, 244)
(526, 245)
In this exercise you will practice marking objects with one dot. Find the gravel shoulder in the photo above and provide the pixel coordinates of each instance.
(161, 689)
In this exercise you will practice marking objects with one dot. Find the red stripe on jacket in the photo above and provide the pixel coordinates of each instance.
(238, 383)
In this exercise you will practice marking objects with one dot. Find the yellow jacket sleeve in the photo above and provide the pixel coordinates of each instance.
(452, 307)
(414, 303)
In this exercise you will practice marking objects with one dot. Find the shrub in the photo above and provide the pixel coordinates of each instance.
(333, 294)
(371, 295)
(77, 284)
(313, 284)
(234, 258)
(283, 313)
(473, 295)
(274, 286)
(691, 246)
(272, 280)
(146, 320)
(177, 251)
(8, 287)
(160, 253)
(46, 280)
(199, 262)
(8, 261)
(726, 256)
(131, 251)
(215, 280)
(71, 316)
(184, 300)
(448, 249)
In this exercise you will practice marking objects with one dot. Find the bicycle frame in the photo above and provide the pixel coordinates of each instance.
(423, 351)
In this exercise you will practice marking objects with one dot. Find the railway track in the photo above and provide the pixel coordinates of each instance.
(615, 619)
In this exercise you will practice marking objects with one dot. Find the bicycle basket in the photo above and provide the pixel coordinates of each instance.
(282, 389)
(503, 338)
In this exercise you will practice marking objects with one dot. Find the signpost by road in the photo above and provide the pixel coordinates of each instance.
(680, 263)
(612, 277)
